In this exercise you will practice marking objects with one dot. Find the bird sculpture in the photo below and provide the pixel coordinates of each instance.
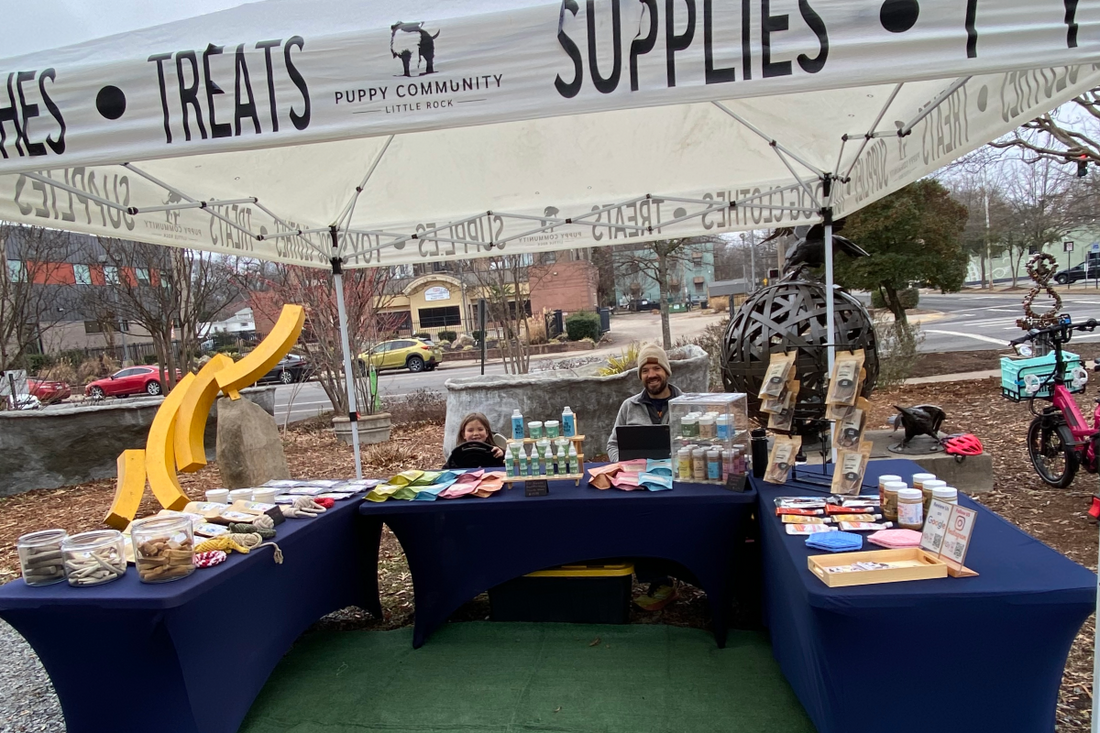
(919, 420)
(809, 251)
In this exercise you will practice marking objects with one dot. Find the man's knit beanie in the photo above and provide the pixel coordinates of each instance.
(652, 353)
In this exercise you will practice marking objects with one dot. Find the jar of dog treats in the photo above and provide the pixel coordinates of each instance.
(164, 548)
(40, 557)
(910, 509)
(94, 558)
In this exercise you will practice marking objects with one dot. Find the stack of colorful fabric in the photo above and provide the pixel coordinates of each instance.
(431, 485)
(640, 474)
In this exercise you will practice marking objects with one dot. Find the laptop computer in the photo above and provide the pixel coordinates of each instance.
(643, 441)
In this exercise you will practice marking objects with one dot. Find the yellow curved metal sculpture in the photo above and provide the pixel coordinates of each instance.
(176, 435)
(160, 450)
(128, 491)
(266, 354)
(193, 413)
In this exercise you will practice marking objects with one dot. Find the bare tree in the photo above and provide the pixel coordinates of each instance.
(501, 280)
(365, 299)
(1043, 206)
(161, 289)
(30, 301)
(1068, 136)
(663, 262)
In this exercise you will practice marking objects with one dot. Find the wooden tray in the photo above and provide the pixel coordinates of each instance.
(923, 566)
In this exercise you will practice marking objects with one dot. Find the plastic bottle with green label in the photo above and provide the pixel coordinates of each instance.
(574, 461)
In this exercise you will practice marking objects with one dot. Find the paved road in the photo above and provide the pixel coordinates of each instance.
(975, 321)
(306, 400)
(302, 401)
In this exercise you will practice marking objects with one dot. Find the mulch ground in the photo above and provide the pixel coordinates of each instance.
(1057, 517)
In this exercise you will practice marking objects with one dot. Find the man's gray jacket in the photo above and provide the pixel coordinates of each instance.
(634, 411)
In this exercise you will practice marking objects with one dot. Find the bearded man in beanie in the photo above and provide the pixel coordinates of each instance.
(649, 407)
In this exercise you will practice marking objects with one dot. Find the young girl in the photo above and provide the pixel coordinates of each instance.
(475, 430)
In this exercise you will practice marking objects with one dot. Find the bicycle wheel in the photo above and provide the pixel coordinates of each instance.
(1052, 452)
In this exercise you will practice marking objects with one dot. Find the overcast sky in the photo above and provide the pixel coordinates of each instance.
(37, 25)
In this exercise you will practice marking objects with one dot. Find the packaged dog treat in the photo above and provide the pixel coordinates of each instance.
(809, 528)
(848, 430)
(782, 458)
(794, 511)
(782, 420)
(795, 519)
(845, 380)
(864, 526)
(780, 371)
(848, 474)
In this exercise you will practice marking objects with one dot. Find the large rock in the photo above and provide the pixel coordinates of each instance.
(250, 451)
(541, 396)
(73, 443)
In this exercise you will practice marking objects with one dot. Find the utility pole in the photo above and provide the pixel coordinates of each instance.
(988, 260)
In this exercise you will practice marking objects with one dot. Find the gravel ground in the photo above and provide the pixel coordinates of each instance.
(29, 702)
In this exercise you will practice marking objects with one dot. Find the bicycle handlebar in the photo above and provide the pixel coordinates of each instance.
(1035, 333)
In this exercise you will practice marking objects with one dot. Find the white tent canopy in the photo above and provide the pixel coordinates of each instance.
(523, 125)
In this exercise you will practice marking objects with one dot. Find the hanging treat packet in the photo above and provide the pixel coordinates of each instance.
(784, 419)
(848, 473)
(844, 382)
(780, 371)
(782, 458)
(848, 430)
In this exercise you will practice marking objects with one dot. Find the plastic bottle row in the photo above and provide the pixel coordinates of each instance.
(704, 464)
(544, 460)
(707, 425)
(550, 429)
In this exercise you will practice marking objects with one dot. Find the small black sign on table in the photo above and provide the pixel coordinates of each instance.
(536, 487)
(736, 482)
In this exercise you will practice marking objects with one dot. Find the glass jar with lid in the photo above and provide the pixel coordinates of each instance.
(164, 548)
(40, 557)
(94, 558)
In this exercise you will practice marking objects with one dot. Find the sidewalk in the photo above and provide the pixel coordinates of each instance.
(961, 377)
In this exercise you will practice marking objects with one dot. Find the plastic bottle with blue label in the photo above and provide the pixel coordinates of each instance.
(568, 423)
(517, 425)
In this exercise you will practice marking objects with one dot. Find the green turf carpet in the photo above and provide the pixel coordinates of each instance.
(494, 677)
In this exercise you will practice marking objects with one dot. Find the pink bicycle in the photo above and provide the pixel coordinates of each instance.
(1059, 439)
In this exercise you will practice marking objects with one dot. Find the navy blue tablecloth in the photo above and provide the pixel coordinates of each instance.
(191, 655)
(955, 655)
(458, 548)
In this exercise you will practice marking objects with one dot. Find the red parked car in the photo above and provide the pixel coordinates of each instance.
(131, 380)
(48, 391)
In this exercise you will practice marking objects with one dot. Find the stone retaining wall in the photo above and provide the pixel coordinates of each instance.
(542, 395)
(70, 444)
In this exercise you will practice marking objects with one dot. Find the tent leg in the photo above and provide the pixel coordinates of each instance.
(349, 374)
(830, 309)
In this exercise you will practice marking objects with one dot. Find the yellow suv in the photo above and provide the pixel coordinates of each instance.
(413, 354)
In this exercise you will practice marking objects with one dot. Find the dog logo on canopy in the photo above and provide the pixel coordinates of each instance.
(409, 38)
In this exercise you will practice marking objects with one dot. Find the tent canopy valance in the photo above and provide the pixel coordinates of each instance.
(478, 128)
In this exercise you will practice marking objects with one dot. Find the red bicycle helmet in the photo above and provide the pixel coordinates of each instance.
(963, 444)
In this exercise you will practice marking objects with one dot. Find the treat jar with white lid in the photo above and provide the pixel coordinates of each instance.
(882, 481)
(94, 558)
(946, 493)
(40, 557)
(164, 548)
(910, 509)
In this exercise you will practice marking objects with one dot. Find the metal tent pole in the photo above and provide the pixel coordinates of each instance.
(349, 374)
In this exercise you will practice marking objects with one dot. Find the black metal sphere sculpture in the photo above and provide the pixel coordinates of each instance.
(787, 316)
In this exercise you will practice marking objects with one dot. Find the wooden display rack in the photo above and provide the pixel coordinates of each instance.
(577, 440)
